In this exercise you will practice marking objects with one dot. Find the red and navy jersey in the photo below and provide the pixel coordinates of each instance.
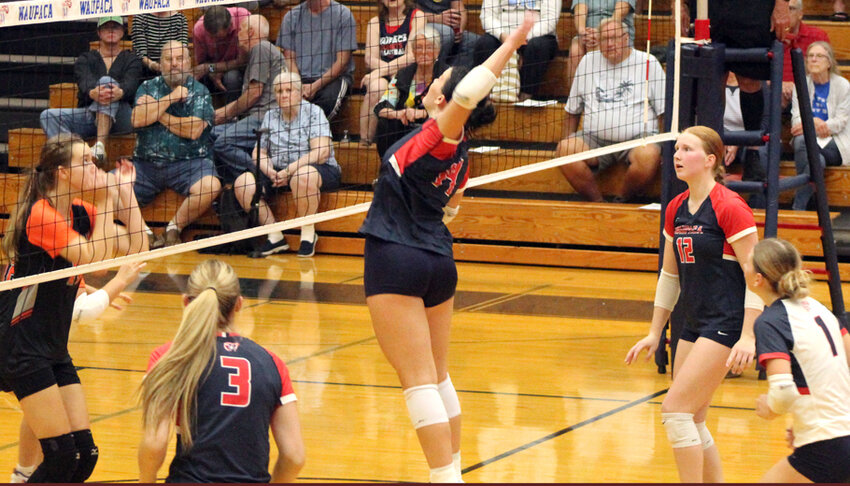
(808, 335)
(419, 174)
(35, 320)
(392, 39)
(710, 276)
(230, 438)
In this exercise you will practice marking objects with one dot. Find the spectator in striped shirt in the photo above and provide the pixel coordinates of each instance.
(151, 31)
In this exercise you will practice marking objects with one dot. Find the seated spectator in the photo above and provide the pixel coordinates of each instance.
(296, 152)
(173, 116)
(400, 110)
(609, 90)
(449, 19)
(386, 52)
(830, 98)
(800, 36)
(150, 31)
(218, 58)
(234, 141)
(587, 14)
(500, 17)
(317, 38)
(107, 79)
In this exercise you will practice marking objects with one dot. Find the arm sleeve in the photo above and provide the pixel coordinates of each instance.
(735, 218)
(773, 340)
(287, 393)
(199, 42)
(86, 79)
(183, 29)
(838, 117)
(575, 103)
(347, 32)
(657, 86)
(319, 126)
(202, 107)
(48, 230)
(284, 34)
(137, 34)
(132, 77)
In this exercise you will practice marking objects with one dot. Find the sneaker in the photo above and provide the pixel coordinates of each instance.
(269, 248)
(98, 151)
(172, 237)
(19, 477)
(308, 248)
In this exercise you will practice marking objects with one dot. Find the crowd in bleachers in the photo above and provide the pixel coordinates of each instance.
(195, 102)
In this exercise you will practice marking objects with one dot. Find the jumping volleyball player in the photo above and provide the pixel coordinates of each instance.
(709, 232)
(64, 217)
(805, 350)
(410, 275)
(223, 391)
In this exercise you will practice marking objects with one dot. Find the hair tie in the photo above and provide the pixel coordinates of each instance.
(213, 289)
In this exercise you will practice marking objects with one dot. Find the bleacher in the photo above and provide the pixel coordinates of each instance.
(534, 219)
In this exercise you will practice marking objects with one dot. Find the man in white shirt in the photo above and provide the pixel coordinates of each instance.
(609, 89)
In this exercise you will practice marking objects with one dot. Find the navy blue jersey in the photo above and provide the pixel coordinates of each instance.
(419, 174)
(808, 335)
(35, 320)
(710, 276)
(230, 438)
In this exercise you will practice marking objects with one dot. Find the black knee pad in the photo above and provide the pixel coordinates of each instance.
(60, 460)
(88, 455)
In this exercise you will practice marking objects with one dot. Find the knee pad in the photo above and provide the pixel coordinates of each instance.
(681, 429)
(60, 460)
(425, 406)
(449, 397)
(88, 455)
(704, 435)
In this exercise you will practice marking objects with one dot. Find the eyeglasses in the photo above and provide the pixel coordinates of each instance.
(817, 56)
(612, 38)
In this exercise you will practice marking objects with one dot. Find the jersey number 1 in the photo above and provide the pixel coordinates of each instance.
(240, 379)
(828, 336)
(686, 249)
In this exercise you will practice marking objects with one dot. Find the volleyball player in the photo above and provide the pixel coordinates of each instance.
(90, 304)
(222, 389)
(64, 217)
(410, 275)
(709, 232)
(805, 350)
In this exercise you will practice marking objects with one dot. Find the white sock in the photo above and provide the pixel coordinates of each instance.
(456, 464)
(444, 474)
(172, 225)
(275, 237)
(308, 232)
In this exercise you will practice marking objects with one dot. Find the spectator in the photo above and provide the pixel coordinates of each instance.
(173, 115)
(297, 152)
(318, 38)
(386, 52)
(499, 17)
(609, 90)
(830, 95)
(400, 110)
(218, 58)
(233, 141)
(150, 31)
(107, 79)
(839, 12)
(801, 35)
(449, 19)
(586, 16)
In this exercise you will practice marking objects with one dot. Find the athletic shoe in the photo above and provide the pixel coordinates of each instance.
(172, 237)
(308, 248)
(19, 477)
(269, 248)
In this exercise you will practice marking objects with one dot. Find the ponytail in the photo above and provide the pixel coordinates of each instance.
(780, 264)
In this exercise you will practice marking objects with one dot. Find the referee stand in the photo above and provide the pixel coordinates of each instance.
(702, 101)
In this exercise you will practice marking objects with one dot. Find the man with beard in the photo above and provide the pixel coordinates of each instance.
(173, 117)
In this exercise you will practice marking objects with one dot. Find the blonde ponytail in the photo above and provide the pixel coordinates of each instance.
(169, 391)
(780, 264)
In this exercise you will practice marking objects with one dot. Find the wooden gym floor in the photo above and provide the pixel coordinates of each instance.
(537, 358)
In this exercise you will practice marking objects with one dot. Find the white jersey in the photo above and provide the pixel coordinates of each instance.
(806, 333)
(611, 96)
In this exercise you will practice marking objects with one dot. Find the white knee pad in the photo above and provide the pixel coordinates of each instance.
(704, 435)
(425, 406)
(449, 396)
(681, 429)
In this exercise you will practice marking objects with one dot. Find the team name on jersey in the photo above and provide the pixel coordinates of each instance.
(91, 7)
(35, 12)
(449, 174)
(688, 229)
(393, 39)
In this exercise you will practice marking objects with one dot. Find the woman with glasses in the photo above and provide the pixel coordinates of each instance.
(830, 97)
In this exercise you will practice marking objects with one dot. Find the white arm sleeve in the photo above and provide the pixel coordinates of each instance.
(474, 87)
(753, 301)
(667, 290)
(90, 306)
(782, 393)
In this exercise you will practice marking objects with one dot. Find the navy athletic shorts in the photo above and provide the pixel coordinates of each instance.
(824, 461)
(391, 268)
(726, 337)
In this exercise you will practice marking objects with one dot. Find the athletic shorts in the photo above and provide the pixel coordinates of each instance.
(726, 337)
(61, 374)
(743, 24)
(391, 268)
(824, 461)
(331, 176)
(603, 161)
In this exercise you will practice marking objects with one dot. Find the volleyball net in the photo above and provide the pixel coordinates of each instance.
(189, 118)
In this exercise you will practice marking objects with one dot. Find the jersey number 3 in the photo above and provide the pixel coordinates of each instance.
(240, 379)
(686, 249)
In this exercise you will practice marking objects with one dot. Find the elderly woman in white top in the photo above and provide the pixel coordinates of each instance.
(500, 17)
(830, 97)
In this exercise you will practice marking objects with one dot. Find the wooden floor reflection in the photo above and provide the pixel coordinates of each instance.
(537, 358)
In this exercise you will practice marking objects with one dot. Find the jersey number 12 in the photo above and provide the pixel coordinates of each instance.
(240, 379)
(686, 249)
